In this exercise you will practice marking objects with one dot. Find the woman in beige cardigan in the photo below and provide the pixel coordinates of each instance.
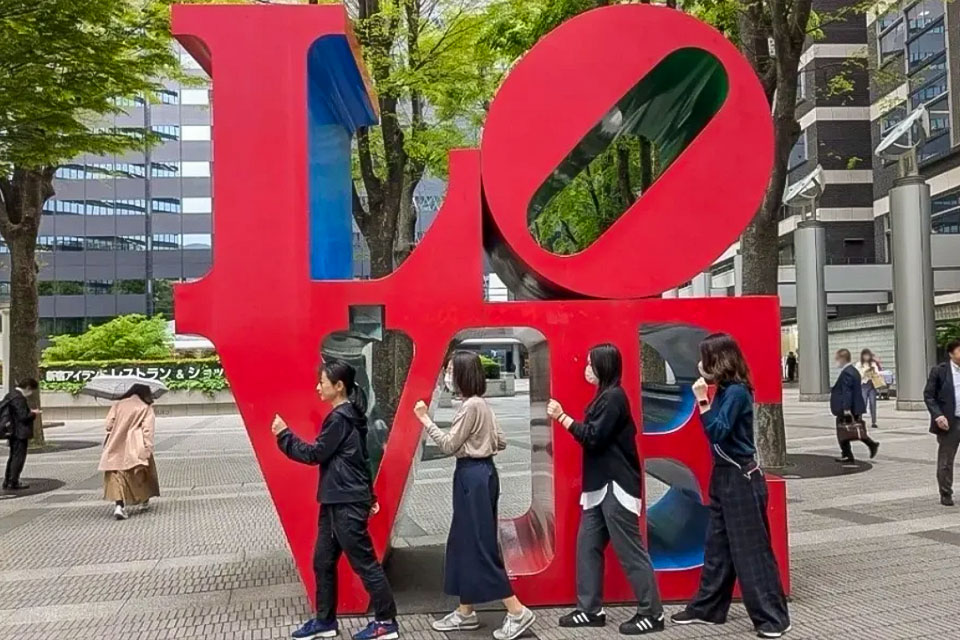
(129, 472)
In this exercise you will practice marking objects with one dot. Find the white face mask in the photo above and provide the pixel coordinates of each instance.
(703, 373)
(590, 375)
(448, 381)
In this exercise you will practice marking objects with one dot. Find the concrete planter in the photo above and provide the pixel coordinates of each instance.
(64, 406)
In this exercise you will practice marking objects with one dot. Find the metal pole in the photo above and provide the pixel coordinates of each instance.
(914, 333)
(5, 347)
(810, 246)
(148, 210)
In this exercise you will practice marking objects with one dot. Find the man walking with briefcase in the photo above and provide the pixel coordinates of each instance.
(847, 404)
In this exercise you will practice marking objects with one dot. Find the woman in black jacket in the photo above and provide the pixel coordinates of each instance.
(345, 494)
(611, 499)
(738, 536)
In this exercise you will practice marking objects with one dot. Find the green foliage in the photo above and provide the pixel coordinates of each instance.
(491, 368)
(948, 331)
(208, 386)
(592, 200)
(126, 337)
(63, 64)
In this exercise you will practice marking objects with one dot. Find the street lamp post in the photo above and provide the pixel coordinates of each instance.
(810, 251)
(148, 207)
(913, 310)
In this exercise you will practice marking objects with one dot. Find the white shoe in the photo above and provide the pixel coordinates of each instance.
(120, 513)
(514, 627)
(456, 621)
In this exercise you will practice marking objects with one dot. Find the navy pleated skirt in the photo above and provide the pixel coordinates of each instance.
(473, 564)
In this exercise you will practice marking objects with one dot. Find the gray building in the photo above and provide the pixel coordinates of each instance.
(93, 246)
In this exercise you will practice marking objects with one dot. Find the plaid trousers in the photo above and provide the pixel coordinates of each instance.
(738, 547)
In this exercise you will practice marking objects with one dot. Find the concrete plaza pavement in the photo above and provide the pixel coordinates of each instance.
(873, 553)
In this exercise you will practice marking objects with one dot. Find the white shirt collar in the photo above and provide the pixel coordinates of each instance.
(955, 367)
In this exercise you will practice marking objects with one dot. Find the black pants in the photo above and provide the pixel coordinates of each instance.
(846, 451)
(18, 456)
(343, 529)
(738, 547)
(611, 522)
(947, 443)
(473, 564)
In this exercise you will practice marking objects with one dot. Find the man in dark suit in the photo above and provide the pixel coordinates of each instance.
(940, 395)
(846, 403)
(21, 418)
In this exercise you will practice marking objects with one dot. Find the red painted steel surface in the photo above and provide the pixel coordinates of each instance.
(268, 319)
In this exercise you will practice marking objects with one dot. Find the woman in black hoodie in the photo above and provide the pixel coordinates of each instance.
(345, 494)
(610, 499)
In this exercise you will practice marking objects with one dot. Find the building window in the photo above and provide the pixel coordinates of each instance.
(166, 241)
(801, 85)
(798, 155)
(195, 96)
(197, 205)
(98, 287)
(60, 288)
(169, 96)
(164, 169)
(167, 205)
(197, 241)
(892, 39)
(920, 15)
(166, 131)
(946, 212)
(930, 43)
(196, 132)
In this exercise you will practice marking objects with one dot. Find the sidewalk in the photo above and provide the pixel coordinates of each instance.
(874, 555)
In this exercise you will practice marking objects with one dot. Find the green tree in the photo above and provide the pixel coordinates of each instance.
(130, 337)
(63, 65)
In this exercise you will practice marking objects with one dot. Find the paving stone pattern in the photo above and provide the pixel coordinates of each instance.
(873, 553)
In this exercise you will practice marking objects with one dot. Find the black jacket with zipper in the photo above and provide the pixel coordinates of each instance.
(341, 452)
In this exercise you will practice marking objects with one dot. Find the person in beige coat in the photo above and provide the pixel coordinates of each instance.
(129, 472)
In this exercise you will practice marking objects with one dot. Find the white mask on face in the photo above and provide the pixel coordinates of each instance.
(590, 375)
(703, 373)
(448, 381)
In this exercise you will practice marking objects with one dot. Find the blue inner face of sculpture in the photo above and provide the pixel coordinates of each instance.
(676, 517)
(338, 103)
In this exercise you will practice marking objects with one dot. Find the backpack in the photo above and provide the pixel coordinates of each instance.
(6, 420)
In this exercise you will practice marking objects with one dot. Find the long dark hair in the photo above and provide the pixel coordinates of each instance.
(142, 391)
(723, 360)
(866, 353)
(607, 364)
(468, 375)
(341, 371)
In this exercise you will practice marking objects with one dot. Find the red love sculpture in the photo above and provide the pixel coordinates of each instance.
(268, 318)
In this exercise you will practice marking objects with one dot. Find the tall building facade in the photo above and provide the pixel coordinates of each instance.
(914, 51)
(93, 244)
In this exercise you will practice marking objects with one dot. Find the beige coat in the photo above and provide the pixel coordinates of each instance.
(129, 441)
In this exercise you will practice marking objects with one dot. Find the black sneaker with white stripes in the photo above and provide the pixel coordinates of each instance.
(773, 634)
(583, 619)
(641, 624)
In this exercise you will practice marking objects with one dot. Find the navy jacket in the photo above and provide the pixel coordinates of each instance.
(846, 394)
(341, 452)
(729, 422)
(939, 397)
(21, 417)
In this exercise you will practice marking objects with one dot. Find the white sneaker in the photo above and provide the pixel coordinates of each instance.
(456, 621)
(514, 627)
(120, 513)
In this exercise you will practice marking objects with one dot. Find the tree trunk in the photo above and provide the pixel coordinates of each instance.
(23, 198)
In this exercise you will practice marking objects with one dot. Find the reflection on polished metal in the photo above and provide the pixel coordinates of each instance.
(914, 331)
(701, 285)
(272, 298)
(810, 247)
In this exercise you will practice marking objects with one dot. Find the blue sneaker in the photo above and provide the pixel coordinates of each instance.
(314, 628)
(377, 630)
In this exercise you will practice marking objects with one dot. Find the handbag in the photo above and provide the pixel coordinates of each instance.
(851, 430)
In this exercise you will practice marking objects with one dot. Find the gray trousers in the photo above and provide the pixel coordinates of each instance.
(611, 522)
(947, 443)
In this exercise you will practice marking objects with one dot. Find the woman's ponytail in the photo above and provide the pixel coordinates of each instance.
(358, 398)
